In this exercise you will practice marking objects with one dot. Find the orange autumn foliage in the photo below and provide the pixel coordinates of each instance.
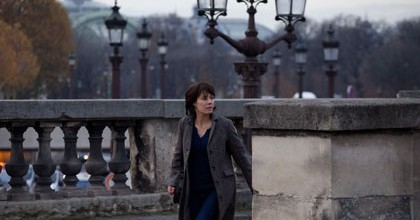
(18, 62)
(48, 27)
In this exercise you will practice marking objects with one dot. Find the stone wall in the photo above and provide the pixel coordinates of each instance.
(334, 159)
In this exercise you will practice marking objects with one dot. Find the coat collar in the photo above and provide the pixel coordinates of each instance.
(214, 117)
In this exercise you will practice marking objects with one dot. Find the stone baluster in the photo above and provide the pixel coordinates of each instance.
(96, 165)
(17, 167)
(44, 166)
(120, 164)
(71, 165)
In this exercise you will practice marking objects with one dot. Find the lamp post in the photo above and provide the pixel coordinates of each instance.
(300, 59)
(115, 25)
(162, 49)
(143, 39)
(251, 46)
(276, 63)
(331, 50)
(72, 79)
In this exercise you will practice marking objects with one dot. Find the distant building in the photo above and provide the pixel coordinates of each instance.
(91, 14)
(80, 7)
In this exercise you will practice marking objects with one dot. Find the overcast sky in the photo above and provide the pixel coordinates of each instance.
(388, 10)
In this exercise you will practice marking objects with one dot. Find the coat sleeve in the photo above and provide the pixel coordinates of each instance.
(239, 153)
(177, 159)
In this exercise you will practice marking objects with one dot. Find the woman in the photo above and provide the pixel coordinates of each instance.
(206, 144)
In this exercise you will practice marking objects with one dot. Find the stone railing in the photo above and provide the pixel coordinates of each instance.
(150, 124)
(312, 159)
(335, 158)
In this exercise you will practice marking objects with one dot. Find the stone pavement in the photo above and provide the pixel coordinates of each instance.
(242, 215)
(243, 209)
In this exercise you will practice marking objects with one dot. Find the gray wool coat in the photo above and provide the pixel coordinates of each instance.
(223, 144)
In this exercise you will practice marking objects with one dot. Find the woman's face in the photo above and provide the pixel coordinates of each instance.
(204, 103)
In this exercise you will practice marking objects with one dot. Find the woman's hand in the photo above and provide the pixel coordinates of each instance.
(171, 190)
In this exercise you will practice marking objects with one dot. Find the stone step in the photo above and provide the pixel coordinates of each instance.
(134, 205)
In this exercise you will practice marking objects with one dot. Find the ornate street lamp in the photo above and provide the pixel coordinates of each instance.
(290, 12)
(162, 50)
(115, 25)
(300, 59)
(72, 79)
(143, 39)
(276, 63)
(331, 50)
(251, 70)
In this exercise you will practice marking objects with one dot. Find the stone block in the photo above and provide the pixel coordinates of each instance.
(286, 207)
(359, 154)
(371, 164)
(333, 114)
(298, 166)
(332, 175)
(376, 207)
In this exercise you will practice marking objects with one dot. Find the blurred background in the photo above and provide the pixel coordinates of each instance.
(59, 49)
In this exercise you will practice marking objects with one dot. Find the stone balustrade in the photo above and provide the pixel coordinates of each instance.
(312, 159)
(150, 126)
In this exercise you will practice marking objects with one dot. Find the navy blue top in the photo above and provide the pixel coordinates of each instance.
(199, 167)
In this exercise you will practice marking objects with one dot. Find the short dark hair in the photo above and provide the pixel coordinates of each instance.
(192, 94)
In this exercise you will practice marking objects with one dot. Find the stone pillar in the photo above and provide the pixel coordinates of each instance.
(151, 153)
(416, 162)
(120, 164)
(44, 166)
(71, 165)
(333, 159)
(96, 165)
(17, 167)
